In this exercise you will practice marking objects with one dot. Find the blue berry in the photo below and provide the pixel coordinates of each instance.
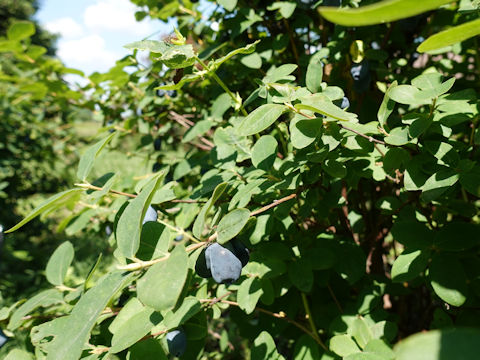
(179, 237)
(150, 215)
(3, 338)
(224, 265)
(176, 342)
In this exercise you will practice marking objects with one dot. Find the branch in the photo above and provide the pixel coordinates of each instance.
(140, 264)
(369, 138)
(275, 203)
(93, 187)
(280, 315)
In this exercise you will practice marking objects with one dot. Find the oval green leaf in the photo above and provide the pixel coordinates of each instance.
(52, 202)
(458, 344)
(231, 225)
(448, 279)
(59, 262)
(162, 284)
(264, 152)
(380, 12)
(130, 223)
(88, 158)
(450, 36)
(261, 118)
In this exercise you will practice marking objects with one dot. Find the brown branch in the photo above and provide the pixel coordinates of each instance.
(334, 298)
(280, 315)
(345, 214)
(182, 120)
(93, 187)
(369, 138)
(275, 203)
(294, 47)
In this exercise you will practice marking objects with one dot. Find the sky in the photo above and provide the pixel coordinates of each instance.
(93, 32)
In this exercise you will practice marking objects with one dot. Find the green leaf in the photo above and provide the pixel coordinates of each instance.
(471, 181)
(264, 152)
(301, 275)
(20, 30)
(129, 225)
(132, 307)
(409, 265)
(444, 152)
(228, 4)
(409, 95)
(450, 36)
(153, 46)
(252, 61)
(134, 329)
(59, 262)
(306, 349)
(18, 354)
(360, 331)
(45, 298)
(334, 168)
(343, 345)
(199, 223)
(51, 203)
(69, 343)
(457, 236)
(250, 48)
(380, 12)
(380, 348)
(162, 284)
(438, 183)
(178, 56)
(321, 104)
(364, 356)
(458, 344)
(146, 349)
(86, 161)
(231, 225)
(387, 106)
(249, 293)
(190, 306)
(285, 8)
(398, 136)
(448, 279)
(264, 348)
(314, 76)
(261, 118)
(304, 131)
(412, 234)
(185, 79)
(199, 129)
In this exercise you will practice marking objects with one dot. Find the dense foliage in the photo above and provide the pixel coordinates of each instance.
(277, 180)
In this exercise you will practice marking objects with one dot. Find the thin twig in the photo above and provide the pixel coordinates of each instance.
(139, 264)
(182, 120)
(334, 298)
(275, 203)
(369, 138)
(93, 187)
(280, 315)
(309, 316)
(294, 47)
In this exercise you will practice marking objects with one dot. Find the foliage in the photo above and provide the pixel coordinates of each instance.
(345, 161)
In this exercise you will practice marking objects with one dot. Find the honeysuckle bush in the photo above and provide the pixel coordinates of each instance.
(344, 158)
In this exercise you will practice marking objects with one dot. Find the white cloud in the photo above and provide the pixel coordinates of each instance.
(66, 27)
(88, 53)
(116, 15)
